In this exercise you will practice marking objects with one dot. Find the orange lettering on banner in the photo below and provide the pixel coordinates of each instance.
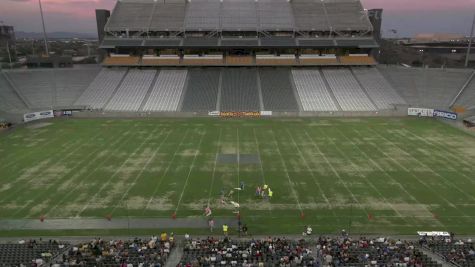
(238, 114)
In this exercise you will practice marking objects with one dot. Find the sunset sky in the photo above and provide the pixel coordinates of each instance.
(406, 16)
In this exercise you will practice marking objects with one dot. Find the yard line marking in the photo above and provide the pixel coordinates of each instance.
(447, 182)
(260, 158)
(238, 163)
(89, 173)
(214, 167)
(292, 189)
(310, 170)
(367, 180)
(166, 171)
(263, 179)
(447, 152)
(335, 172)
(189, 172)
(416, 177)
(142, 170)
(116, 172)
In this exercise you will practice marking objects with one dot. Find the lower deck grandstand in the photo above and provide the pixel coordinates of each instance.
(201, 90)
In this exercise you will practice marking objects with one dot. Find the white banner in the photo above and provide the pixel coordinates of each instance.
(421, 112)
(213, 113)
(433, 233)
(38, 115)
(266, 113)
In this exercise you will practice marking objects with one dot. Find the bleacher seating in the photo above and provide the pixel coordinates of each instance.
(202, 92)
(101, 88)
(312, 91)
(239, 60)
(345, 251)
(10, 101)
(70, 84)
(347, 91)
(165, 60)
(379, 90)
(357, 60)
(132, 91)
(277, 91)
(227, 252)
(120, 60)
(346, 15)
(37, 86)
(467, 98)
(427, 88)
(459, 252)
(167, 90)
(30, 253)
(136, 252)
(239, 90)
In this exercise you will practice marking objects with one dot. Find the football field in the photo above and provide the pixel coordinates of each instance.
(373, 175)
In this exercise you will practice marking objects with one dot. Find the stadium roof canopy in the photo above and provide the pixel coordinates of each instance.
(238, 15)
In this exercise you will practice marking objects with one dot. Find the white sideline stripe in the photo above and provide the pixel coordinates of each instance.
(287, 172)
(448, 153)
(415, 176)
(116, 172)
(189, 172)
(447, 181)
(309, 169)
(141, 171)
(214, 167)
(166, 171)
(334, 171)
(89, 173)
(367, 180)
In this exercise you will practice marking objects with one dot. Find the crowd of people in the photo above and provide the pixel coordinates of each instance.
(254, 252)
(457, 251)
(137, 252)
(346, 251)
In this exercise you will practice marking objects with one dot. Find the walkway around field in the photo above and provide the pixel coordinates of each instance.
(119, 223)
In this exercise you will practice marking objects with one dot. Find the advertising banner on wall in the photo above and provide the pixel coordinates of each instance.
(445, 114)
(38, 115)
(420, 112)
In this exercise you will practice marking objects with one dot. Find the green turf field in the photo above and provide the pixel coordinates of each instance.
(380, 175)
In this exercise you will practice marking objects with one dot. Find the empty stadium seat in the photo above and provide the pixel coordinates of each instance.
(277, 91)
(239, 90)
(132, 91)
(202, 92)
(167, 91)
(347, 91)
(312, 91)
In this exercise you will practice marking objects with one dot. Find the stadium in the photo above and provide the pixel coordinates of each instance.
(270, 117)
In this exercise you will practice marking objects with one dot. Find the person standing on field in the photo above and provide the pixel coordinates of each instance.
(225, 229)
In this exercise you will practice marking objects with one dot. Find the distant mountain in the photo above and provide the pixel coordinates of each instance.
(55, 35)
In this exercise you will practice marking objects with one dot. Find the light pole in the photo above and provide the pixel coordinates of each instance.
(44, 29)
(470, 43)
